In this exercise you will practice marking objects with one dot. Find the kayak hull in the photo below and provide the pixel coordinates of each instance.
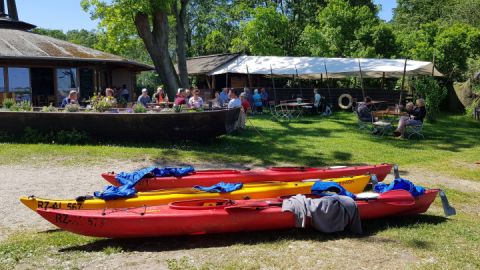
(354, 184)
(206, 217)
(212, 177)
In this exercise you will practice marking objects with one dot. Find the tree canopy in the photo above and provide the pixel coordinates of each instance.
(445, 30)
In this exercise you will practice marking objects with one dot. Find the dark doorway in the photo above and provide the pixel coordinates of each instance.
(43, 88)
(86, 83)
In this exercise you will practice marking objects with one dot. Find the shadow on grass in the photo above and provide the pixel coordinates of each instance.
(253, 238)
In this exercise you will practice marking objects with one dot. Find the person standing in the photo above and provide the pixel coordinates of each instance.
(264, 95)
(257, 100)
(316, 100)
(125, 93)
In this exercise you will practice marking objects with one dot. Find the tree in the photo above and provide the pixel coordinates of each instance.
(123, 20)
(265, 34)
(346, 30)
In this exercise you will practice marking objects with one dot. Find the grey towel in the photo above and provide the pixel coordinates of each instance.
(329, 214)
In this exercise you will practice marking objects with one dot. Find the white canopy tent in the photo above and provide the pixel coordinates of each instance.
(318, 67)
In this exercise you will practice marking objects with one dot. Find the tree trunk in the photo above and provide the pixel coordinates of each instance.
(156, 42)
(180, 16)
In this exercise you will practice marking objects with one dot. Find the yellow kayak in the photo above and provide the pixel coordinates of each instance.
(354, 184)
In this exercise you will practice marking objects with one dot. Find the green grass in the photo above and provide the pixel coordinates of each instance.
(451, 147)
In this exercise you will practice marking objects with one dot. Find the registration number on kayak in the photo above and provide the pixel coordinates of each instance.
(58, 205)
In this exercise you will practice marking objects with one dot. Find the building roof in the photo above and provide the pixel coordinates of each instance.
(205, 64)
(18, 44)
(317, 67)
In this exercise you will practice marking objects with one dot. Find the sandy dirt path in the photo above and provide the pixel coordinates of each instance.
(69, 182)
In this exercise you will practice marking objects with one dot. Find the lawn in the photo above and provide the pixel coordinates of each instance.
(451, 150)
(452, 146)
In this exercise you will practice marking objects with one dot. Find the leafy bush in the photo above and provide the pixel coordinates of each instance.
(138, 108)
(50, 108)
(71, 137)
(62, 137)
(8, 102)
(23, 106)
(433, 93)
(177, 108)
(469, 109)
(72, 108)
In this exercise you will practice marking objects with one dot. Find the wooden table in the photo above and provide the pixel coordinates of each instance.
(298, 107)
(389, 113)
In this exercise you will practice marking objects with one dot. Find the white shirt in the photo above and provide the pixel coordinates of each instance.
(317, 100)
(234, 103)
(195, 103)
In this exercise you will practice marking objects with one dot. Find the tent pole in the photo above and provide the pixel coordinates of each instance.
(226, 80)
(403, 82)
(433, 66)
(273, 84)
(249, 79)
(208, 82)
(383, 80)
(361, 78)
(326, 82)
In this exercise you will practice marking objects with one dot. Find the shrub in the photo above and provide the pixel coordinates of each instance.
(102, 105)
(72, 108)
(177, 108)
(23, 106)
(469, 109)
(50, 108)
(138, 108)
(71, 137)
(62, 137)
(433, 93)
(8, 102)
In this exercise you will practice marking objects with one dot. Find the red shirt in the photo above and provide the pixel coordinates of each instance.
(245, 105)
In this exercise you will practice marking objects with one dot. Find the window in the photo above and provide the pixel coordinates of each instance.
(66, 82)
(2, 80)
(19, 80)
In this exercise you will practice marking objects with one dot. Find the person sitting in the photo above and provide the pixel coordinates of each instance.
(257, 100)
(216, 100)
(144, 98)
(160, 96)
(415, 117)
(72, 98)
(245, 103)
(364, 110)
(264, 95)
(223, 98)
(195, 101)
(180, 98)
(109, 96)
(234, 100)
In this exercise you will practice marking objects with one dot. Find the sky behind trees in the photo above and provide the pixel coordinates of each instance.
(68, 15)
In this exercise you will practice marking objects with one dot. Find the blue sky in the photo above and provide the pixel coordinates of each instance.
(68, 15)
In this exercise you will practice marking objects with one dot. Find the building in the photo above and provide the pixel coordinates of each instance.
(44, 69)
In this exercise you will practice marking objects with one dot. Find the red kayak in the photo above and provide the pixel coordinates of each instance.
(214, 216)
(284, 174)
